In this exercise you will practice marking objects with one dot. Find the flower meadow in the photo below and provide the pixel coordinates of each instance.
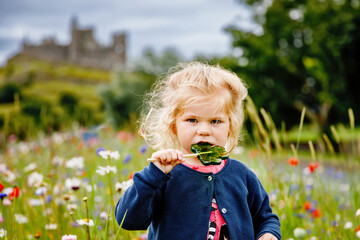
(66, 185)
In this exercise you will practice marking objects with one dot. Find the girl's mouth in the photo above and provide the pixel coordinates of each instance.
(205, 143)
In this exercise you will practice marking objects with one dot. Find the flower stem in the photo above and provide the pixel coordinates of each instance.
(87, 217)
(111, 194)
(110, 186)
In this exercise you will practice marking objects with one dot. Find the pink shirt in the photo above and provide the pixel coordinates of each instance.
(216, 220)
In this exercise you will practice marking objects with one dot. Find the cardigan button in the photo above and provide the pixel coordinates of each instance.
(224, 210)
(209, 178)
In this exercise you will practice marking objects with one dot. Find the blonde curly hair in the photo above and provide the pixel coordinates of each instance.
(172, 93)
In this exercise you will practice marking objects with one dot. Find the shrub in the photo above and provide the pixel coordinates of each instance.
(8, 92)
(69, 102)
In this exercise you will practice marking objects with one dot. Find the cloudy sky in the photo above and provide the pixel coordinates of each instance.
(191, 26)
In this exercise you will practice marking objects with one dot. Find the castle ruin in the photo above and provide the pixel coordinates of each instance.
(83, 49)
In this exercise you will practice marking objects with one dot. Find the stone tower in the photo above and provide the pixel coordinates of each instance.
(119, 46)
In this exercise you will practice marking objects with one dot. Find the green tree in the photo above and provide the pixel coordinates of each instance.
(155, 64)
(350, 55)
(293, 59)
(123, 97)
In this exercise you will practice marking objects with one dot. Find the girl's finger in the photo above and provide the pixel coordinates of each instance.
(167, 157)
(179, 155)
(174, 156)
(163, 157)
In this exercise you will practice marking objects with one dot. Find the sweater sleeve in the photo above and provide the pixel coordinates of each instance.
(264, 220)
(138, 200)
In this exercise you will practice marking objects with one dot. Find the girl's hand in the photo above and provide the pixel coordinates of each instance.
(267, 236)
(168, 159)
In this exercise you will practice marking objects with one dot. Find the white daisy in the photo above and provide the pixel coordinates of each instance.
(30, 167)
(109, 154)
(73, 183)
(105, 170)
(21, 218)
(85, 221)
(35, 179)
(51, 226)
(2, 233)
(123, 186)
(75, 162)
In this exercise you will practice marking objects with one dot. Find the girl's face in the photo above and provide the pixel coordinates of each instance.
(202, 122)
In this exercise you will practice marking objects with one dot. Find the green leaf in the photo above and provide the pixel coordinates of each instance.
(216, 155)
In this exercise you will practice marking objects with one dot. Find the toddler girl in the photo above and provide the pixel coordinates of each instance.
(178, 197)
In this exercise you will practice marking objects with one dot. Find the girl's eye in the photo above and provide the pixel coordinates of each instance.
(192, 120)
(215, 121)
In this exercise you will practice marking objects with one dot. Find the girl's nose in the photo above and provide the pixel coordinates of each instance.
(203, 130)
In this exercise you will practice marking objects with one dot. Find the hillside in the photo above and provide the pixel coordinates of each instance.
(49, 95)
(38, 95)
(47, 81)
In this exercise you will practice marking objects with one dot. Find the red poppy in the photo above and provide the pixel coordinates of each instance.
(313, 166)
(80, 145)
(38, 234)
(316, 213)
(131, 175)
(15, 193)
(124, 136)
(307, 205)
(1, 187)
(293, 161)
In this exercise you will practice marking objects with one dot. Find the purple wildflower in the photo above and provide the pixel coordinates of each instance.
(41, 191)
(339, 175)
(2, 195)
(49, 198)
(143, 149)
(100, 150)
(293, 188)
(309, 187)
(127, 158)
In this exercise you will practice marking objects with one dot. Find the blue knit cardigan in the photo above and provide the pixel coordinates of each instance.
(178, 205)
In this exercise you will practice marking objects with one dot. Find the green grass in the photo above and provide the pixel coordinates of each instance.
(9, 107)
(51, 80)
(52, 90)
(20, 66)
(47, 82)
